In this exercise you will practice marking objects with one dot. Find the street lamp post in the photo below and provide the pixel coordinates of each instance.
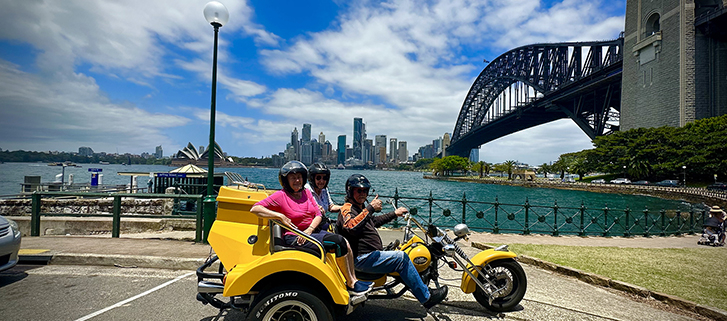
(684, 173)
(217, 15)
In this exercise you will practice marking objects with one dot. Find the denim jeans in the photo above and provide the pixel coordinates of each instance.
(394, 261)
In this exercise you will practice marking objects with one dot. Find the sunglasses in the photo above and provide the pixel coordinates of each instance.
(361, 191)
(321, 178)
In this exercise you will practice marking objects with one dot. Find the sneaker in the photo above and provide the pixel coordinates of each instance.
(360, 288)
(436, 296)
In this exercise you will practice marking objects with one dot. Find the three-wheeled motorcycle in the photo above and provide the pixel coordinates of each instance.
(267, 280)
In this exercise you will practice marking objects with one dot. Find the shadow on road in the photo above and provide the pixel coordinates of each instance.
(15, 274)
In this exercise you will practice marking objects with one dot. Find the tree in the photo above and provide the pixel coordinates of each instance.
(545, 169)
(449, 164)
(479, 167)
(509, 166)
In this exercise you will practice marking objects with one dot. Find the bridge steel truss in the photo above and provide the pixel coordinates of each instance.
(537, 84)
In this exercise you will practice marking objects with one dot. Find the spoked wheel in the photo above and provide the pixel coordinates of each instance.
(510, 275)
(289, 303)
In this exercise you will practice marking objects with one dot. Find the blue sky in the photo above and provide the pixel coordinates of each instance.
(129, 75)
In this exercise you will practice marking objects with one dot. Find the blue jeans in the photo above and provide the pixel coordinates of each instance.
(394, 261)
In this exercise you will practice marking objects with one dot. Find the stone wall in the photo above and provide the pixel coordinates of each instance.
(22, 207)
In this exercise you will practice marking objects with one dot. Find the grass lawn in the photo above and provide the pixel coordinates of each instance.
(698, 275)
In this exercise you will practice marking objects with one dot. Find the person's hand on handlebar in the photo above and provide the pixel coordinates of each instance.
(376, 204)
(401, 211)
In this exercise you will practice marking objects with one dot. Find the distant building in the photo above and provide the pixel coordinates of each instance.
(379, 146)
(306, 152)
(393, 155)
(306, 132)
(159, 153)
(296, 145)
(402, 152)
(189, 155)
(341, 148)
(358, 138)
(475, 155)
(85, 151)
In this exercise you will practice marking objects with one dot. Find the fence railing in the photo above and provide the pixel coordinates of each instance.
(181, 212)
(494, 217)
(526, 218)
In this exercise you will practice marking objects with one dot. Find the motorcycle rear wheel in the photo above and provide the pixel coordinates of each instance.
(507, 273)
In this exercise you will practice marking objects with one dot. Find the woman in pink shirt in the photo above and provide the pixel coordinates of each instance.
(296, 207)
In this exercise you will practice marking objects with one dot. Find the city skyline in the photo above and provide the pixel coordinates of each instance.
(136, 75)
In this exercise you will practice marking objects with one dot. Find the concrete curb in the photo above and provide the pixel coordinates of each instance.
(126, 261)
(706, 311)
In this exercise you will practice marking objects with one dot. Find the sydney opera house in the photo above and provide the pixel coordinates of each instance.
(190, 155)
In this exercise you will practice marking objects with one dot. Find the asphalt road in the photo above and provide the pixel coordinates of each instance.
(59, 292)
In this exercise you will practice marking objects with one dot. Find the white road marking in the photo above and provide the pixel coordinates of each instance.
(133, 298)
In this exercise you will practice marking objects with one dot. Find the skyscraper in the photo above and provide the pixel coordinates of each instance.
(403, 153)
(341, 149)
(358, 137)
(475, 155)
(306, 132)
(393, 155)
(321, 138)
(295, 144)
(368, 151)
(380, 145)
(159, 153)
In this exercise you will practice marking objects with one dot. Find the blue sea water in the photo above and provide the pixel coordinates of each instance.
(385, 183)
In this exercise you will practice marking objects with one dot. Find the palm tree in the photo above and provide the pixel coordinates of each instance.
(509, 166)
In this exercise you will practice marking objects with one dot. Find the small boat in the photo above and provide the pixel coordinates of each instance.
(104, 163)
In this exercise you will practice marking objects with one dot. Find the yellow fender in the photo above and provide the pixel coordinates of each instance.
(242, 278)
(468, 285)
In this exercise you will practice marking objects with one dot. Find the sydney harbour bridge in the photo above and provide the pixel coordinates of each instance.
(536, 84)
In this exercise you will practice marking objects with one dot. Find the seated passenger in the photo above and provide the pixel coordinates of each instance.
(318, 178)
(295, 206)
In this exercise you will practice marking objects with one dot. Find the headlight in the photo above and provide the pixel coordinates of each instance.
(14, 228)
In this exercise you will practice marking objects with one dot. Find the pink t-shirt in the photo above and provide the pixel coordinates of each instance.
(301, 211)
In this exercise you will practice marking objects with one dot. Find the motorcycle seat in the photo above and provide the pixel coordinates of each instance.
(279, 244)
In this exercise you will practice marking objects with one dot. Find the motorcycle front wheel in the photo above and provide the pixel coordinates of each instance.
(508, 274)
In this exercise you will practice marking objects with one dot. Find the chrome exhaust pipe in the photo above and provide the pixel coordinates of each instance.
(209, 287)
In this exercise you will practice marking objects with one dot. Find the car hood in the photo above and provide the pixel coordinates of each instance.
(3, 222)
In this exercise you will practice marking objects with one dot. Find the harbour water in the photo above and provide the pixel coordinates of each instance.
(408, 184)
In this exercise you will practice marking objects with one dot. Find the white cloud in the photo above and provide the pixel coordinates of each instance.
(67, 114)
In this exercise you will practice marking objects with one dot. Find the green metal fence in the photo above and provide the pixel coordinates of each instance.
(117, 211)
(525, 218)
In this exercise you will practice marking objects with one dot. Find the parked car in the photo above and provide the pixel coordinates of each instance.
(9, 243)
(620, 181)
(599, 181)
(668, 183)
(641, 183)
(718, 186)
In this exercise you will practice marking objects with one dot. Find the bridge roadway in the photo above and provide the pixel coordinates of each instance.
(74, 292)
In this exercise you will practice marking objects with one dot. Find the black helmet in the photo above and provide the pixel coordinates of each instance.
(356, 180)
(316, 169)
(291, 167)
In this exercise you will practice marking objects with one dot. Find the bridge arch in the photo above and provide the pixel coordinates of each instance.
(535, 84)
